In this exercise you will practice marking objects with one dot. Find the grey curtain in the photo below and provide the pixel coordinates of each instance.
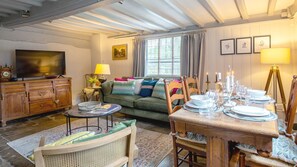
(139, 57)
(193, 55)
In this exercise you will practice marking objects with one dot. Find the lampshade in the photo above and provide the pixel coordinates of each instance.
(275, 56)
(102, 69)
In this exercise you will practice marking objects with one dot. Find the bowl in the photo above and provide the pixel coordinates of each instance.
(256, 93)
(200, 100)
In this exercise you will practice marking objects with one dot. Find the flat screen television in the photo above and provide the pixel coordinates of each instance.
(36, 63)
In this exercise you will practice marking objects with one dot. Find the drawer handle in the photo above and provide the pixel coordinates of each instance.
(41, 93)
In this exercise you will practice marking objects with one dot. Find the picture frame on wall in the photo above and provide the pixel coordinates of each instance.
(244, 45)
(227, 46)
(261, 42)
(119, 52)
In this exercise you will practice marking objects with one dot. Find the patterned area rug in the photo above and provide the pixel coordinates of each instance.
(153, 146)
(4, 163)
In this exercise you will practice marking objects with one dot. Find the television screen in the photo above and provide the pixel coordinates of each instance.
(31, 63)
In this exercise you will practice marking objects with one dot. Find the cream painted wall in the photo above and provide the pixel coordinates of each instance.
(248, 69)
(118, 68)
(78, 57)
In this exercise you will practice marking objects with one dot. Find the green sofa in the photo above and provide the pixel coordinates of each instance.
(146, 107)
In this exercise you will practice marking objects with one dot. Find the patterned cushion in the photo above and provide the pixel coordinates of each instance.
(137, 85)
(193, 137)
(147, 88)
(281, 126)
(123, 88)
(159, 90)
(283, 149)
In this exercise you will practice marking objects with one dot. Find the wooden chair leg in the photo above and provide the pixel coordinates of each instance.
(190, 159)
(242, 160)
(175, 153)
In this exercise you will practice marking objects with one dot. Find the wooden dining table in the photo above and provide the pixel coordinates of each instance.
(221, 129)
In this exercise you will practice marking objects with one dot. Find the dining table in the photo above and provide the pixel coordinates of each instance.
(221, 129)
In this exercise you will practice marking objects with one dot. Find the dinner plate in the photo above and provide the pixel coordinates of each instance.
(261, 98)
(250, 111)
(192, 105)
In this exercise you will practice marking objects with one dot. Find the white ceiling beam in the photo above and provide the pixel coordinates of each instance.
(55, 10)
(191, 14)
(271, 7)
(97, 23)
(77, 28)
(83, 24)
(150, 6)
(9, 11)
(124, 19)
(14, 5)
(98, 18)
(241, 7)
(212, 10)
(31, 2)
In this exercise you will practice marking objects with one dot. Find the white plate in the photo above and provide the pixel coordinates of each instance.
(250, 111)
(261, 98)
(229, 104)
(192, 105)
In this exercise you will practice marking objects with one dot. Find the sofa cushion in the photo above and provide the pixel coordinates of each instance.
(159, 90)
(106, 88)
(152, 104)
(123, 100)
(147, 88)
(123, 87)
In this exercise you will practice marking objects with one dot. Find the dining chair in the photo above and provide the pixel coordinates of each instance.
(193, 147)
(284, 148)
(191, 85)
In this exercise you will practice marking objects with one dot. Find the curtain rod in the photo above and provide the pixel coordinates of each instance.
(155, 35)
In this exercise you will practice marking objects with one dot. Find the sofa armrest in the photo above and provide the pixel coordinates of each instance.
(106, 88)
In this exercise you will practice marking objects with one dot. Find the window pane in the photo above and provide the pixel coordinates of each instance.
(152, 57)
(176, 60)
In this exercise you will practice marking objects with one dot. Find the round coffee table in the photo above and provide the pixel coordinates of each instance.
(76, 113)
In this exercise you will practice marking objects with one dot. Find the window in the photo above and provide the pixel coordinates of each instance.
(163, 57)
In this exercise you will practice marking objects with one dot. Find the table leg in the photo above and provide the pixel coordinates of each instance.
(98, 123)
(87, 124)
(107, 123)
(66, 126)
(111, 118)
(217, 152)
(69, 125)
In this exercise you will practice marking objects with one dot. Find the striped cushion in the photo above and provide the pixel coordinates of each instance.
(159, 90)
(147, 88)
(123, 88)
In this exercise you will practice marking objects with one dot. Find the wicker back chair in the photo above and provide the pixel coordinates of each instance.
(116, 149)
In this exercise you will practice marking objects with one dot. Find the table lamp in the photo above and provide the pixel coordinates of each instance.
(102, 70)
(276, 56)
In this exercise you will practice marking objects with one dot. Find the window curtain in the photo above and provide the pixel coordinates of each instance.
(139, 57)
(193, 55)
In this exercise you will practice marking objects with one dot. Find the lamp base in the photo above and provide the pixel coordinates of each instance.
(102, 80)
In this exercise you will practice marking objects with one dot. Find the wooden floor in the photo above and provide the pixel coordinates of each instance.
(18, 129)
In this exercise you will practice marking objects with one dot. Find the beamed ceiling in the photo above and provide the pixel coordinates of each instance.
(125, 17)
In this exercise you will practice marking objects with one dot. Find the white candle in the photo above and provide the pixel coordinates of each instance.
(219, 76)
(232, 78)
(228, 84)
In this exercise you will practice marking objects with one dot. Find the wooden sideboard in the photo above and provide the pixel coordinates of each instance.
(26, 98)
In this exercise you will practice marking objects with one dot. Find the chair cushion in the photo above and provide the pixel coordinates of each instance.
(159, 90)
(123, 100)
(147, 88)
(193, 137)
(118, 127)
(283, 149)
(123, 87)
(281, 126)
(152, 104)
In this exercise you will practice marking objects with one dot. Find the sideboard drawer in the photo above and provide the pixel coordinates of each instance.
(42, 106)
(62, 82)
(41, 94)
(13, 88)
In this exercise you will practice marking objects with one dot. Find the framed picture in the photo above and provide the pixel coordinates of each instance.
(261, 42)
(119, 52)
(227, 46)
(244, 45)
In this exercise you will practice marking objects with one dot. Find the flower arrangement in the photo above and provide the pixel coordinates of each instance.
(93, 80)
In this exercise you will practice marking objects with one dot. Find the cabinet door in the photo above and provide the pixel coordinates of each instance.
(63, 96)
(16, 105)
